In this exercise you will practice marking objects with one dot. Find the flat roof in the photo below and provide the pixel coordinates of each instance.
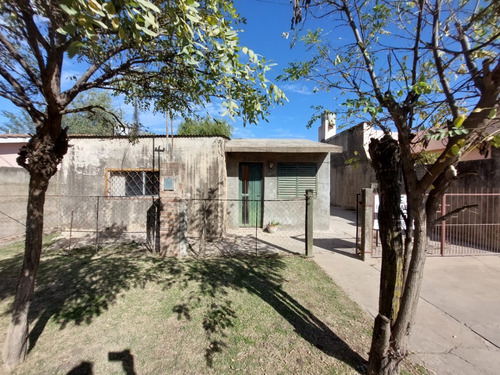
(280, 146)
(14, 138)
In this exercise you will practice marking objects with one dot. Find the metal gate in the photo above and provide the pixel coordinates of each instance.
(468, 224)
(471, 227)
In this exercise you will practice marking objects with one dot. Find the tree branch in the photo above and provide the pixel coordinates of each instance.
(91, 109)
(24, 101)
(439, 63)
(455, 211)
(34, 36)
(364, 52)
(13, 51)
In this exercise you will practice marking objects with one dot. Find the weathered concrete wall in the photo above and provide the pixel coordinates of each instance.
(481, 174)
(287, 212)
(351, 170)
(83, 173)
(195, 207)
(14, 184)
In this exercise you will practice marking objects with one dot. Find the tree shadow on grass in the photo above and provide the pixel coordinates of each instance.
(261, 276)
(79, 285)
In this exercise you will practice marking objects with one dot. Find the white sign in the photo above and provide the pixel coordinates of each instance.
(376, 204)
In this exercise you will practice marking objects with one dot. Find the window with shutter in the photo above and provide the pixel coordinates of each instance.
(295, 178)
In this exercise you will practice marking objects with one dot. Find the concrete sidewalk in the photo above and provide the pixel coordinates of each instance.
(457, 328)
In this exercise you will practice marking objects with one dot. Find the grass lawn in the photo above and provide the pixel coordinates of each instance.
(124, 311)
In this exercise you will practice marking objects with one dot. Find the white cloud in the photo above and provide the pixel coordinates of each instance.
(297, 89)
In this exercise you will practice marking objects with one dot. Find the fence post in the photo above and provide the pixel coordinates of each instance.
(97, 225)
(309, 223)
(443, 224)
(366, 223)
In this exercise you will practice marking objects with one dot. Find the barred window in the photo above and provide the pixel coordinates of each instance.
(295, 178)
(132, 182)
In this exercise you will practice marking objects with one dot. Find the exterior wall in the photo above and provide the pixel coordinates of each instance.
(14, 184)
(348, 179)
(481, 173)
(83, 173)
(351, 170)
(9, 154)
(273, 210)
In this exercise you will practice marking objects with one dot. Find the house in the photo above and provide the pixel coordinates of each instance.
(351, 169)
(9, 148)
(174, 188)
(277, 171)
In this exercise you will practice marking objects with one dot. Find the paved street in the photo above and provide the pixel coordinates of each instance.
(457, 329)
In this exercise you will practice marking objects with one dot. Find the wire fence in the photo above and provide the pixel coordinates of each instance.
(204, 226)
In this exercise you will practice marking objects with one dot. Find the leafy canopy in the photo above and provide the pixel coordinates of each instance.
(171, 55)
(427, 60)
(102, 117)
(205, 126)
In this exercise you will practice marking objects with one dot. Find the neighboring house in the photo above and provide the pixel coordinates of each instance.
(9, 148)
(351, 169)
(206, 184)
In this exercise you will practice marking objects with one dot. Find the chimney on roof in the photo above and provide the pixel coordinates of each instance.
(328, 127)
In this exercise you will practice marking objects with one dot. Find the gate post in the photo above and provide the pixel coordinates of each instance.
(309, 223)
(366, 223)
(443, 224)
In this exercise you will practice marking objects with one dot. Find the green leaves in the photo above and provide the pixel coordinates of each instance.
(89, 20)
(442, 133)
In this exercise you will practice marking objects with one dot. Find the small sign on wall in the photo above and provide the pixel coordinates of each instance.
(168, 183)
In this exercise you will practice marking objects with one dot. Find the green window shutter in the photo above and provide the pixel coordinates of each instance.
(295, 178)
(287, 180)
(306, 178)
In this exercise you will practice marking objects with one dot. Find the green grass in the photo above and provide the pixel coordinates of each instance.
(124, 310)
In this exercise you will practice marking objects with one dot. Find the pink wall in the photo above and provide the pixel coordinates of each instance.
(8, 154)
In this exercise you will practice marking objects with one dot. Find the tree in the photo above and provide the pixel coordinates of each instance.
(205, 126)
(169, 55)
(101, 119)
(17, 123)
(428, 70)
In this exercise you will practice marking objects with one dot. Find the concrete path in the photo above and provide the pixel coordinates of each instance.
(457, 328)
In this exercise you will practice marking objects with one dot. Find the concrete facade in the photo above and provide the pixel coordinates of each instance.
(351, 170)
(194, 165)
(288, 212)
(198, 185)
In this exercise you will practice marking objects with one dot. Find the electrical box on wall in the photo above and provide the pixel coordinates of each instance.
(168, 183)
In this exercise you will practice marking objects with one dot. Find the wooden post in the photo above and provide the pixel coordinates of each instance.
(309, 223)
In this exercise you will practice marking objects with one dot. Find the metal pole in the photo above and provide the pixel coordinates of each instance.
(443, 224)
(358, 247)
(70, 231)
(256, 218)
(309, 223)
(97, 227)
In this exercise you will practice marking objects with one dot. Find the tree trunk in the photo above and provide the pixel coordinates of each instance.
(40, 157)
(387, 165)
(16, 344)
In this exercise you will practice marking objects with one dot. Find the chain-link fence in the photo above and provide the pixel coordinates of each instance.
(206, 226)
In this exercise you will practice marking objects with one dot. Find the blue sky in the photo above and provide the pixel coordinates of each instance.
(267, 20)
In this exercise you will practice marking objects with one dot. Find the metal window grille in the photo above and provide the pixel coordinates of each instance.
(132, 182)
(295, 178)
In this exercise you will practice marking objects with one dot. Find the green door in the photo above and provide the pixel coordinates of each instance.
(250, 212)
